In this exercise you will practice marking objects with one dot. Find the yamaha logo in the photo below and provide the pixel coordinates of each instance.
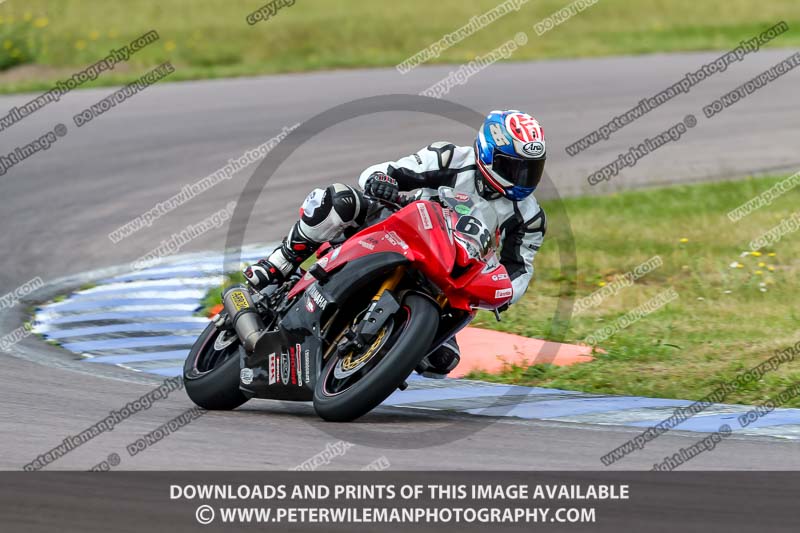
(314, 295)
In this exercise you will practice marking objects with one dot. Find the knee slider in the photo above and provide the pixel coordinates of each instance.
(316, 207)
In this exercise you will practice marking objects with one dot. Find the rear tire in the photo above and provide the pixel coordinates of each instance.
(389, 372)
(215, 388)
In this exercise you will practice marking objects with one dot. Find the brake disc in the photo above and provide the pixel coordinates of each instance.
(350, 364)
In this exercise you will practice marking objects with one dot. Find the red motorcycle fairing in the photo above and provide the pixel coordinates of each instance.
(421, 233)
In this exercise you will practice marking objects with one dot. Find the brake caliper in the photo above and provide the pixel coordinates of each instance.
(368, 328)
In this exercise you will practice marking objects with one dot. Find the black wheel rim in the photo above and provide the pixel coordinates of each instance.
(208, 358)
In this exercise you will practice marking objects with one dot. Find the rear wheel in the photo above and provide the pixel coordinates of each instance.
(211, 371)
(351, 386)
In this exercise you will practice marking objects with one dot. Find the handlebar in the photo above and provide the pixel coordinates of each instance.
(393, 206)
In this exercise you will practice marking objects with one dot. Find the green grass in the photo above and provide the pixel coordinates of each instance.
(726, 320)
(214, 296)
(210, 38)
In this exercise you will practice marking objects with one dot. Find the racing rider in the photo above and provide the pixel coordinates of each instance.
(504, 166)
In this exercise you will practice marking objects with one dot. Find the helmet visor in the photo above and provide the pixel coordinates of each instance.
(524, 173)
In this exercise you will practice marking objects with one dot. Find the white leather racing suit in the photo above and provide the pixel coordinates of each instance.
(520, 225)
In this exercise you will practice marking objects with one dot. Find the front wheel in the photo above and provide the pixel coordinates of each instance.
(351, 386)
(211, 371)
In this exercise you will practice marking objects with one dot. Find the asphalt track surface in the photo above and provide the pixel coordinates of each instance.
(59, 206)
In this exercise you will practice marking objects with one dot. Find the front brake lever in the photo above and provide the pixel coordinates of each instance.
(394, 206)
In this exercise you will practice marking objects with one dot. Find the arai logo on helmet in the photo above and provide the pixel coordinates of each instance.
(246, 376)
(533, 149)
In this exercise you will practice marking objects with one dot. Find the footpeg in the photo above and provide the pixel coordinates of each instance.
(219, 320)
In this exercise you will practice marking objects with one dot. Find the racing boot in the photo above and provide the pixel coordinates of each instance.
(441, 361)
(273, 270)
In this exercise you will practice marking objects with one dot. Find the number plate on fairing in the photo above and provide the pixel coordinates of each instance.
(471, 232)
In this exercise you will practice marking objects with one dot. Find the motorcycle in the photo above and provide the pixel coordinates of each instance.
(349, 331)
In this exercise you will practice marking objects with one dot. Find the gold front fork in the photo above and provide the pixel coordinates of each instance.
(390, 283)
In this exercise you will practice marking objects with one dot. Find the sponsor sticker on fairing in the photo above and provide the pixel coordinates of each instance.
(424, 216)
(502, 294)
(298, 368)
(316, 297)
(308, 366)
(273, 369)
(293, 366)
(395, 239)
(286, 370)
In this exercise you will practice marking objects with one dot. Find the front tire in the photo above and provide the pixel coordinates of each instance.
(211, 376)
(416, 323)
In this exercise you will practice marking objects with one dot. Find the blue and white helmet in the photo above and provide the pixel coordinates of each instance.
(510, 154)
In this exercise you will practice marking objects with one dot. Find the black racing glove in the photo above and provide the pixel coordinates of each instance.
(382, 186)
